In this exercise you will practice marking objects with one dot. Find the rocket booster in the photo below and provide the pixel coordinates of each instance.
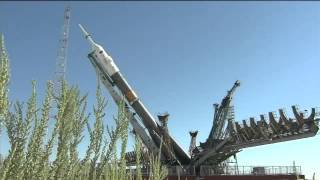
(107, 64)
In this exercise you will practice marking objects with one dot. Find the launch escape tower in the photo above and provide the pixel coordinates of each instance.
(227, 136)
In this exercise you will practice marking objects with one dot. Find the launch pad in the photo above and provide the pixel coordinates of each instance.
(226, 138)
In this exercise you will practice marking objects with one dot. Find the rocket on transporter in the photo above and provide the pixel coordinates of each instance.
(117, 86)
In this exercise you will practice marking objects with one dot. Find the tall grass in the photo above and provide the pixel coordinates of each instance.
(41, 151)
(4, 81)
(158, 171)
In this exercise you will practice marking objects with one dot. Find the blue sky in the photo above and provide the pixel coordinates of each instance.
(182, 57)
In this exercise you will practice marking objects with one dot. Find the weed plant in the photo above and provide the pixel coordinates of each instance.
(38, 154)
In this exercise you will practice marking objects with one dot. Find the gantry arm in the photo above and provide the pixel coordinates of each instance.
(221, 113)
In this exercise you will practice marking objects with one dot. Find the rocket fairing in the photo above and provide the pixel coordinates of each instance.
(100, 55)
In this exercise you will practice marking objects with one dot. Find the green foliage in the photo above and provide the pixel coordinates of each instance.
(4, 81)
(138, 149)
(96, 135)
(70, 121)
(49, 151)
(157, 171)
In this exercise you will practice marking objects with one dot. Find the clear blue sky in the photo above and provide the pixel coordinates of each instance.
(182, 57)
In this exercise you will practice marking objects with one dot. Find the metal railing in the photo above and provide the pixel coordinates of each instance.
(250, 170)
(227, 170)
(181, 171)
(172, 171)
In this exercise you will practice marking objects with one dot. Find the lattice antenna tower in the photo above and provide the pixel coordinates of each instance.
(61, 61)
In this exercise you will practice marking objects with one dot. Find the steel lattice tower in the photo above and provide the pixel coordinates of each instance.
(61, 60)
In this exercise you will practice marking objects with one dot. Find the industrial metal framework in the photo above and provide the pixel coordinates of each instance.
(227, 136)
(61, 60)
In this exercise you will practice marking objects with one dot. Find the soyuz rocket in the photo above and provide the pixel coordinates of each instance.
(106, 65)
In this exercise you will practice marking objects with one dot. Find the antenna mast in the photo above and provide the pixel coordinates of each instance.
(61, 60)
